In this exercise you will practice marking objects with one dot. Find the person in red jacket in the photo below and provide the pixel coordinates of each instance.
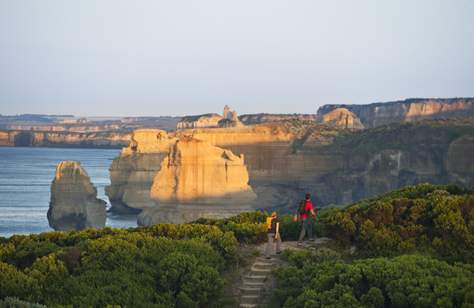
(305, 212)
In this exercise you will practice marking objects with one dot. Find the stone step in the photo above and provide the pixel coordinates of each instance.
(263, 265)
(251, 290)
(265, 260)
(251, 284)
(260, 271)
(248, 305)
(255, 278)
(249, 299)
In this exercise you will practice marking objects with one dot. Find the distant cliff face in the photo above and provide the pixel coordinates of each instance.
(377, 114)
(343, 118)
(74, 204)
(285, 160)
(386, 158)
(260, 118)
(200, 121)
(64, 139)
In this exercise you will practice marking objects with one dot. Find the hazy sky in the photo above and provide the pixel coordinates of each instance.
(175, 57)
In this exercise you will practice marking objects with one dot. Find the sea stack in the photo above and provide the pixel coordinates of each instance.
(198, 172)
(198, 180)
(74, 204)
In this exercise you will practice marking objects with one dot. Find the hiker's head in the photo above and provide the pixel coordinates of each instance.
(308, 196)
(274, 214)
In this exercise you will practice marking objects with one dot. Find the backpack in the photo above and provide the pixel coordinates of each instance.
(302, 208)
(269, 222)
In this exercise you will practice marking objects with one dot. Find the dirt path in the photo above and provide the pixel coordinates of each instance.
(258, 280)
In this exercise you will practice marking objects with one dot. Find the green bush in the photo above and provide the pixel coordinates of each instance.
(248, 228)
(160, 266)
(404, 281)
(430, 218)
(15, 283)
(13, 302)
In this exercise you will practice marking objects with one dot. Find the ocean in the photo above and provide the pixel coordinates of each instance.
(25, 178)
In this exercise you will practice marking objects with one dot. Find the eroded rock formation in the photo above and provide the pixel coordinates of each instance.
(197, 172)
(228, 118)
(64, 139)
(74, 204)
(260, 118)
(132, 173)
(199, 121)
(286, 159)
(198, 180)
(343, 118)
(413, 109)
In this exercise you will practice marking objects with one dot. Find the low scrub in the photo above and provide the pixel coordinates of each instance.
(160, 266)
(322, 279)
(434, 219)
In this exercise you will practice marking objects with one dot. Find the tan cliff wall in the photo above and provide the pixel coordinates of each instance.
(197, 172)
(198, 180)
(133, 171)
(275, 168)
(377, 114)
(337, 166)
(387, 158)
(260, 118)
(64, 139)
(343, 118)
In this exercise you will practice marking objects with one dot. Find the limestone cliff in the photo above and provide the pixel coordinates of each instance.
(260, 118)
(198, 180)
(196, 172)
(74, 204)
(286, 159)
(343, 118)
(200, 121)
(269, 151)
(132, 173)
(64, 139)
(413, 109)
(386, 158)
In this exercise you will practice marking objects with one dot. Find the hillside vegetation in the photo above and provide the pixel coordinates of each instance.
(160, 266)
(414, 249)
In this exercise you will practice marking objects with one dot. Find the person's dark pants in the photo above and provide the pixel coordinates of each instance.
(306, 228)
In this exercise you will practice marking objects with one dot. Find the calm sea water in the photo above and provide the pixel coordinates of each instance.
(25, 178)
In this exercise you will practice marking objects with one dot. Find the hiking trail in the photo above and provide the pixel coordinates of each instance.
(258, 280)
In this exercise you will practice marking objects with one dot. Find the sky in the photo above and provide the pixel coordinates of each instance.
(177, 57)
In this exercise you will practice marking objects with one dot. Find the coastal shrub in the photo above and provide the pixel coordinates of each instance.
(13, 302)
(403, 281)
(431, 218)
(224, 242)
(15, 283)
(27, 251)
(248, 228)
(160, 266)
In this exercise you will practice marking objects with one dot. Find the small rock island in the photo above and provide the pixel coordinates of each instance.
(74, 204)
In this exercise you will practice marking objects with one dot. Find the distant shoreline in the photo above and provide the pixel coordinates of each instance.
(67, 146)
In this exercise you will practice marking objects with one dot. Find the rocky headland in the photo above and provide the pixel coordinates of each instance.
(409, 110)
(23, 138)
(286, 159)
(260, 118)
(74, 204)
(198, 180)
(68, 131)
(345, 154)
